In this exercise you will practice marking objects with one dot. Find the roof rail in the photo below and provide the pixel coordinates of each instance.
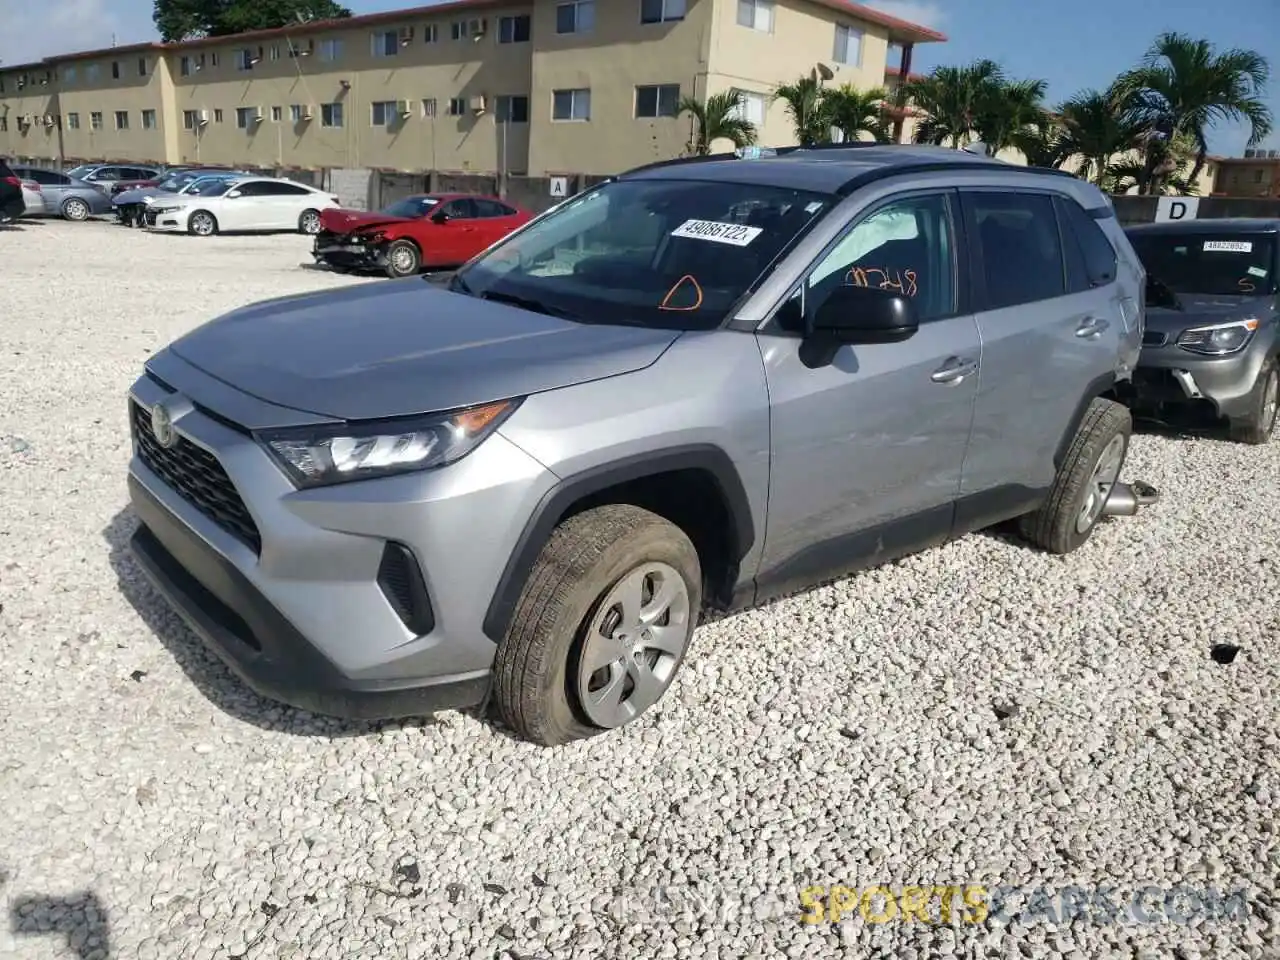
(934, 166)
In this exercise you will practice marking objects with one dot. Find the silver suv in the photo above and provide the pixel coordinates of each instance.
(700, 384)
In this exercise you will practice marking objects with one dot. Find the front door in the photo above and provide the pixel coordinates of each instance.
(867, 451)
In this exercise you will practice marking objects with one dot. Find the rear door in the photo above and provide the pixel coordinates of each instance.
(288, 200)
(54, 186)
(455, 241)
(494, 220)
(1045, 342)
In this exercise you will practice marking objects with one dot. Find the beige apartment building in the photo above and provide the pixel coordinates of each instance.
(1256, 174)
(540, 87)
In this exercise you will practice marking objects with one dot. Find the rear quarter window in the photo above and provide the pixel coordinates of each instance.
(1091, 260)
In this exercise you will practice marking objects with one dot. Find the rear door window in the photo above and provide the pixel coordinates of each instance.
(1091, 260)
(1022, 257)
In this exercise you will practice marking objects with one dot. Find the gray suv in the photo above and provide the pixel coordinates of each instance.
(702, 383)
(1212, 322)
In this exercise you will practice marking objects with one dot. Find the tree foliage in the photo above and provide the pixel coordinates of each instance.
(719, 117)
(191, 19)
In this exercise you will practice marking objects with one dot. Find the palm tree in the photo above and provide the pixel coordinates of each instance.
(804, 100)
(1009, 111)
(1094, 130)
(719, 117)
(1042, 145)
(854, 112)
(952, 99)
(1183, 87)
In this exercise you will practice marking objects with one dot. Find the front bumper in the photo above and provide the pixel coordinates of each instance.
(287, 586)
(175, 220)
(1169, 374)
(345, 255)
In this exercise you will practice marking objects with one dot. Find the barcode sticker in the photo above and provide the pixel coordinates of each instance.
(1227, 246)
(734, 234)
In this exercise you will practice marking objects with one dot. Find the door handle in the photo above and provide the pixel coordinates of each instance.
(1092, 328)
(954, 370)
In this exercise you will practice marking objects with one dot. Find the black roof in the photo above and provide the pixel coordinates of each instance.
(1227, 225)
(832, 168)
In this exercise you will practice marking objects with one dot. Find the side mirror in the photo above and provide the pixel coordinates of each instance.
(439, 217)
(232, 194)
(853, 315)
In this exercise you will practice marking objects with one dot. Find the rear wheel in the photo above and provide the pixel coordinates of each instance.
(403, 259)
(75, 209)
(601, 627)
(1084, 481)
(309, 222)
(1259, 424)
(202, 224)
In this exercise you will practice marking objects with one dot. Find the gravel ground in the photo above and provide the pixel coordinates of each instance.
(979, 715)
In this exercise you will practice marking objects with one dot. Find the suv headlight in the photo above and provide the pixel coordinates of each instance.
(338, 453)
(1218, 339)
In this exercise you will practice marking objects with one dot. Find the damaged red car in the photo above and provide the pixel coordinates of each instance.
(423, 232)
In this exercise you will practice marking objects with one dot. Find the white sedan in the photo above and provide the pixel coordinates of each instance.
(246, 204)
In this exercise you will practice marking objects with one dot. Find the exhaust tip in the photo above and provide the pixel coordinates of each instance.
(1144, 493)
(1126, 499)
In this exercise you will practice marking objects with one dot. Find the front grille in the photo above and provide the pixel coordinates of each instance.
(197, 476)
(1154, 338)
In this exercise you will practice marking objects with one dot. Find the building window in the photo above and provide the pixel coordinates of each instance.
(431, 33)
(661, 11)
(457, 106)
(848, 46)
(142, 66)
(385, 43)
(331, 115)
(295, 112)
(571, 105)
(277, 114)
(275, 51)
(217, 116)
(752, 108)
(73, 121)
(95, 120)
(756, 14)
(248, 58)
(184, 66)
(511, 109)
(246, 117)
(579, 17)
(513, 29)
(122, 119)
(213, 59)
(658, 100)
(458, 30)
(68, 75)
(429, 108)
(4, 121)
(92, 72)
(1257, 176)
(190, 119)
(384, 113)
(148, 119)
(115, 69)
(330, 49)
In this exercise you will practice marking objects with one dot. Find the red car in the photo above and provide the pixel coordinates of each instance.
(427, 231)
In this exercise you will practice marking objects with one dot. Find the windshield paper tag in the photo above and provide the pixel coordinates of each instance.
(734, 234)
(1227, 246)
(1256, 272)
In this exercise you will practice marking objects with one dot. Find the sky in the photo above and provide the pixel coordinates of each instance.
(1072, 45)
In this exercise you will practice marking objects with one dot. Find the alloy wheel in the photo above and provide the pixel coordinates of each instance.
(402, 260)
(634, 644)
(1270, 403)
(202, 224)
(1105, 473)
(311, 223)
(76, 210)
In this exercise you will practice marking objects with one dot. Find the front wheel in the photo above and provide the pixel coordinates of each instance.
(403, 259)
(202, 224)
(1257, 426)
(309, 222)
(601, 627)
(75, 209)
(1084, 480)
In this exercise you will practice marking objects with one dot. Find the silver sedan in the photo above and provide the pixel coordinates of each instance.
(65, 196)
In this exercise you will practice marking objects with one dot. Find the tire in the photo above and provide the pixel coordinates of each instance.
(1260, 423)
(75, 209)
(309, 222)
(541, 685)
(1085, 477)
(403, 259)
(202, 223)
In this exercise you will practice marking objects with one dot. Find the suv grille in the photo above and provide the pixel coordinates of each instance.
(197, 475)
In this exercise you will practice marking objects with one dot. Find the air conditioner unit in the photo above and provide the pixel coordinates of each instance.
(202, 117)
(302, 48)
(479, 104)
(257, 116)
(309, 112)
(404, 108)
(21, 83)
(477, 26)
(50, 119)
(406, 36)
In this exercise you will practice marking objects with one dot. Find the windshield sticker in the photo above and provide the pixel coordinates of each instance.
(734, 234)
(1227, 246)
(813, 207)
(1257, 271)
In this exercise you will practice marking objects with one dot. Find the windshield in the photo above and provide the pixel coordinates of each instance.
(209, 187)
(673, 254)
(1212, 264)
(411, 207)
(79, 173)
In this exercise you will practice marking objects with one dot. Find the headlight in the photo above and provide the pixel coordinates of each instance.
(164, 209)
(1218, 338)
(319, 456)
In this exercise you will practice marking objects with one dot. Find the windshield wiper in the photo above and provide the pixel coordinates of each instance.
(527, 303)
(458, 285)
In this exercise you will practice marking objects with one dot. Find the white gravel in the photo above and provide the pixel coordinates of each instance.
(152, 807)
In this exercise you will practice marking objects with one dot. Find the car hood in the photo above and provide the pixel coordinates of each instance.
(405, 347)
(342, 220)
(1200, 310)
(136, 195)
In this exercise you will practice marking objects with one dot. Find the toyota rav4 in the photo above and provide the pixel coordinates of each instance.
(698, 385)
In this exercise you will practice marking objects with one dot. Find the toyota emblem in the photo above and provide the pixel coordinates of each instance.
(162, 426)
